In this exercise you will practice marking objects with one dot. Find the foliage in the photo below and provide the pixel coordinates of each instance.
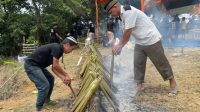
(13, 28)
(33, 19)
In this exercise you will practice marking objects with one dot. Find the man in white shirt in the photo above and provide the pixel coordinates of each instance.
(148, 43)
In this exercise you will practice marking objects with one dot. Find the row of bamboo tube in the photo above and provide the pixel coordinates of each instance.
(95, 80)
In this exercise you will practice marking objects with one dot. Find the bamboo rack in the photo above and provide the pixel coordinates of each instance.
(96, 82)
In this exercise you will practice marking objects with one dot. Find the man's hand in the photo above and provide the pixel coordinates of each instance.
(124, 39)
(67, 80)
(117, 49)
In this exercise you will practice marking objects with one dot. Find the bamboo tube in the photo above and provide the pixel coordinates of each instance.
(106, 89)
(92, 70)
(86, 84)
(84, 66)
(95, 51)
(80, 96)
(86, 72)
(102, 65)
(86, 77)
(102, 72)
(89, 93)
(95, 48)
(82, 93)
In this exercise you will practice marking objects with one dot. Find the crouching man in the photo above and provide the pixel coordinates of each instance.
(36, 63)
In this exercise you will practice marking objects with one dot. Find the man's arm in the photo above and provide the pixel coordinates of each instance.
(124, 39)
(57, 35)
(56, 68)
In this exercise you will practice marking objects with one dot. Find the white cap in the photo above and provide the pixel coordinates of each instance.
(72, 39)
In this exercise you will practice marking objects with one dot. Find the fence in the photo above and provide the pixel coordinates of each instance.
(28, 48)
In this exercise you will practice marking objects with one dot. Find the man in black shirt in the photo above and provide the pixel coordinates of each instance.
(36, 63)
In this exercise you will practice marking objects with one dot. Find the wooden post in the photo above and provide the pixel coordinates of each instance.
(97, 21)
(142, 5)
(111, 69)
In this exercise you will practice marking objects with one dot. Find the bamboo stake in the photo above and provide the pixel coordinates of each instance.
(11, 77)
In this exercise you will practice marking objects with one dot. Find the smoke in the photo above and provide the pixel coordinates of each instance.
(172, 36)
(123, 78)
(175, 32)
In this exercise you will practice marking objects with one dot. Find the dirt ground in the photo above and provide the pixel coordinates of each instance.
(187, 74)
(24, 99)
(154, 98)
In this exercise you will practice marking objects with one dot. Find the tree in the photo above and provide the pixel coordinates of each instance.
(12, 28)
(33, 19)
(58, 12)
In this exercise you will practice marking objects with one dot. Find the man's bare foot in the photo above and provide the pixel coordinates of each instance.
(140, 86)
(172, 92)
(173, 88)
(172, 83)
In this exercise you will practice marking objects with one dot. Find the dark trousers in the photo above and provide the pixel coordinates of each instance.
(156, 54)
(43, 80)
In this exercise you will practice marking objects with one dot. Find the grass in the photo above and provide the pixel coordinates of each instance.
(12, 86)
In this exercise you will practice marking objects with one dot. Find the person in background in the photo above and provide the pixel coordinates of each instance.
(36, 63)
(136, 24)
(117, 31)
(183, 27)
(55, 37)
(176, 22)
(91, 31)
(110, 32)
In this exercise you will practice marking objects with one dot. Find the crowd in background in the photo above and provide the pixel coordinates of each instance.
(172, 27)
(179, 26)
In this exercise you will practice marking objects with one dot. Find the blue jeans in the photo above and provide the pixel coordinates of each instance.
(43, 80)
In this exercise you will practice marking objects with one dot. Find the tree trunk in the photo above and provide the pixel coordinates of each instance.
(38, 19)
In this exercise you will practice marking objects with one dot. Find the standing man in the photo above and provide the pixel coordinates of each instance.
(55, 37)
(148, 43)
(110, 32)
(91, 31)
(36, 63)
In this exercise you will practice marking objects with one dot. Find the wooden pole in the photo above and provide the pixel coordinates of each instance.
(111, 69)
(97, 21)
(142, 5)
